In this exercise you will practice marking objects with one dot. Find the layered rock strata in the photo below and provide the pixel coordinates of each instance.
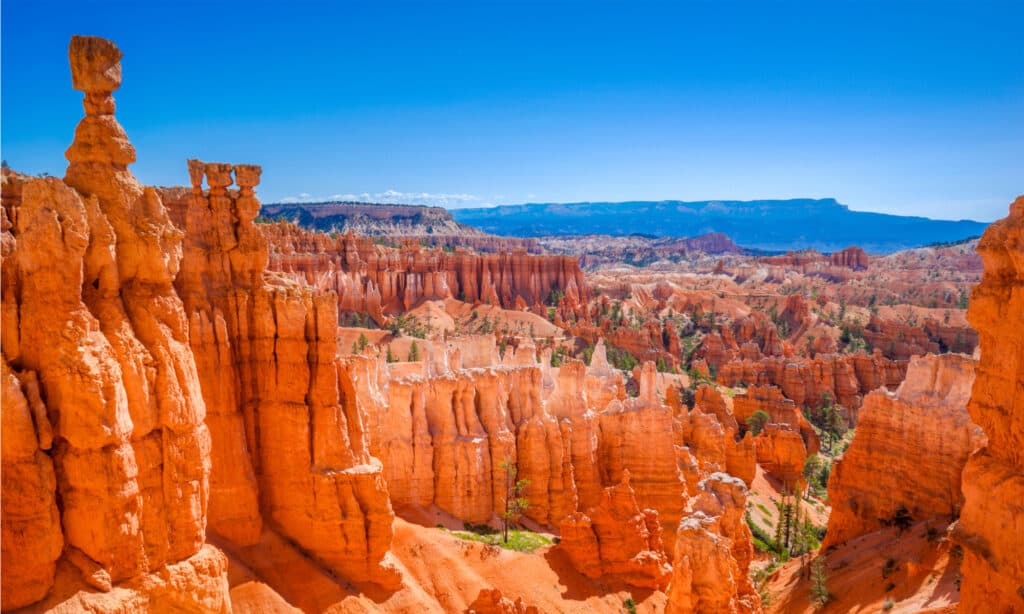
(909, 451)
(102, 409)
(443, 432)
(186, 386)
(713, 552)
(291, 445)
(617, 540)
(842, 378)
(380, 280)
(991, 525)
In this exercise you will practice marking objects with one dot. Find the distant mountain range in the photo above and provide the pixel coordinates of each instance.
(821, 224)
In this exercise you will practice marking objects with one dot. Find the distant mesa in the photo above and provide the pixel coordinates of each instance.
(775, 225)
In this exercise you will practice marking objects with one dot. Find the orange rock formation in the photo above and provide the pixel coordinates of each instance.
(991, 525)
(844, 378)
(165, 319)
(713, 552)
(615, 539)
(380, 280)
(102, 409)
(908, 452)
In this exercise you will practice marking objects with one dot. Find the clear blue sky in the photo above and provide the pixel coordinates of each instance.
(912, 108)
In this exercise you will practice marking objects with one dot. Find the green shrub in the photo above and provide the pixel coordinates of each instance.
(630, 605)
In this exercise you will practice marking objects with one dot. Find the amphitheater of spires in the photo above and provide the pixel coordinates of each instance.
(185, 430)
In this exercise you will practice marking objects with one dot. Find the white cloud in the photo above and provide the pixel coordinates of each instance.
(395, 197)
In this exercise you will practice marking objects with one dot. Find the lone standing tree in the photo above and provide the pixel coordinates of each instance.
(758, 421)
(819, 583)
(515, 502)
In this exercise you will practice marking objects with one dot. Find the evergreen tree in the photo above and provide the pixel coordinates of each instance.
(819, 583)
(758, 421)
(515, 502)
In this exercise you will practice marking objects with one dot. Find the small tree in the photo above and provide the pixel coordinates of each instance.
(758, 421)
(390, 356)
(902, 519)
(414, 352)
(360, 344)
(819, 583)
(515, 502)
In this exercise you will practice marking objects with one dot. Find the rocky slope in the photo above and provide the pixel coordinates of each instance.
(991, 526)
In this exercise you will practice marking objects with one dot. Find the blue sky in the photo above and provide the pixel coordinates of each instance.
(911, 108)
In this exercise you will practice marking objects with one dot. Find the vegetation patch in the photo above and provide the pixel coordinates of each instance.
(518, 540)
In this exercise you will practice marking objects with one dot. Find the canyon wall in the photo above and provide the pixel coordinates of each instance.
(713, 550)
(991, 525)
(380, 280)
(617, 540)
(843, 378)
(291, 446)
(909, 451)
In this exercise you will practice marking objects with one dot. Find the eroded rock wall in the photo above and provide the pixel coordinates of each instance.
(101, 388)
(713, 550)
(991, 525)
(380, 280)
(908, 452)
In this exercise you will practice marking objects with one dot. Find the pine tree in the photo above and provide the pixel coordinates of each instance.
(515, 502)
(819, 583)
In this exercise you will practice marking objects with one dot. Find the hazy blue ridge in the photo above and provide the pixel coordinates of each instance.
(821, 224)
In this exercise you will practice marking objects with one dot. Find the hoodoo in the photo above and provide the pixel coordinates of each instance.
(991, 526)
(908, 453)
(103, 412)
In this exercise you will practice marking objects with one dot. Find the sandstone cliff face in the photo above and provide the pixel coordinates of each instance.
(713, 552)
(291, 443)
(852, 257)
(780, 410)
(908, 452)
(712, 435)
(844, 378)
(781, 452)
(105, 414)
(991, 525)
(616, 539)
(443, 433)
(184, 387)
(380, 280)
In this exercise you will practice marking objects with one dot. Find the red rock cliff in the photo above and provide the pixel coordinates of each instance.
(991, 525)
(103, 416)
(291, 445)
(380, 280)
(157, 380)
(908, 452)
